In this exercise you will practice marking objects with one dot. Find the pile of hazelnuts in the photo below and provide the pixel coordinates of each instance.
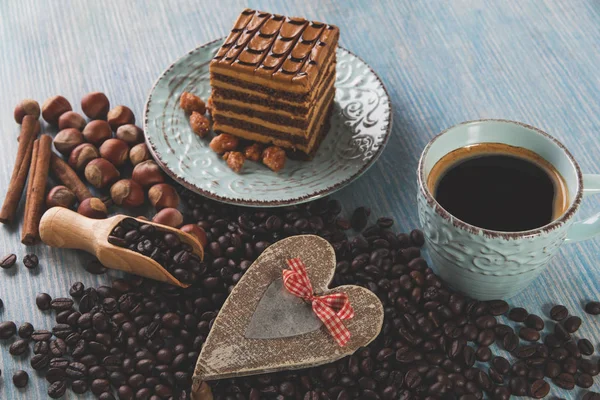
(99, 151)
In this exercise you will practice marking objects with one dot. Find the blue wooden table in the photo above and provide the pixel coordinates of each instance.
(443, 62)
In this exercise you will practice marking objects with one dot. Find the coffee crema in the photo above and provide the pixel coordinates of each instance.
(499, 187)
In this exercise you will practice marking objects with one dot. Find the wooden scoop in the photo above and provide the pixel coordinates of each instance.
(63, 228)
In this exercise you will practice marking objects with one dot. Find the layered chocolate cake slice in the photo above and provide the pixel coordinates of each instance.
(273, 81)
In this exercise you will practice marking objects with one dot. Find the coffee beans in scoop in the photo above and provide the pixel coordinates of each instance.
(165, 248)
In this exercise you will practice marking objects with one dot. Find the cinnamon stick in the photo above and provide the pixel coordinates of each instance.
(30, 128)
(69, 178)
(36, 189)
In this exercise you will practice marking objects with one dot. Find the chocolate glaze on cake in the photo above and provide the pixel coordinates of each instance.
(273, 80)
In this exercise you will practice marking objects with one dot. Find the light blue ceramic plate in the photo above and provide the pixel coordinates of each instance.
(360, 127)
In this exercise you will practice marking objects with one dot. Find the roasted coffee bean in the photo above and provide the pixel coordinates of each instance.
(552, 341)
(25, 330)
(573, 349)
(18, 347)
(76, 370)
(591, 396)
(58, 348)
(41, 335)
(519, 368)
(497, 307)
(584, 380)
(589, 367)
(518, 314)
(8, 261)
(20, 379)
(529, 334)
(534, 322)
(565, 381)
(569, 365)
(510, 342)
(7, 330)
(485, 322)
(55, 374)
(539, 389)
(486, 337)
(57, 389)
(61, 304)
(43, 301)
(518, 386)
(59, 362)
(593, 308)
(559, 312)
(525, 351)
(30, 261)
(39, 361)
(572, 323)
(501, 364)
(502, 330)
(41, 348)
(100, 386)
(483, 354)
(552, 369)
(61, 331)
(76, 290)
(561, 333)
(559, 354)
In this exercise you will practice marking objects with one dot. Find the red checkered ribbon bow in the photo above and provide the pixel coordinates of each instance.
(332, 309)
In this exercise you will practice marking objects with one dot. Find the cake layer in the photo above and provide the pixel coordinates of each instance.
(250, 131)
(254, 87)
(275, 51)
(295, 125)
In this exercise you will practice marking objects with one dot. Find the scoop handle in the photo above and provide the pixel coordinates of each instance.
(63, 228)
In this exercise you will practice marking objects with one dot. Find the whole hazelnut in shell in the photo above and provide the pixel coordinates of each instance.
(60, 196)
(147, 173)
(127, 193)
(115, 150)
(82, 155)
(93, 208)
(120, 115)
(163, 195)
(27, 107)
(130, 134)
(95, 105)
(139, 153)
(54, 107)
(67, 139)
(96, 132)
(100, 173)
(71, 119)
(169, 216)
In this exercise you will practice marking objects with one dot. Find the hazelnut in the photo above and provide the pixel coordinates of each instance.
(115, 150)
(235, 160)
(120, 115)
(93, 208)
(147, 173)
(200, 124)
(82, 155)
(163, 195)
(60, 196)
(67, 139)
(224, 142)
(27, 107)
(71, 119)
(139, 153)
(196, 232)
(274, 158)
(253, 152)
(54, 107)
(100, 173)
(95, 105)
(191, 103)
(169, 216)
(130, 134)
(127, 193)
(96, 132)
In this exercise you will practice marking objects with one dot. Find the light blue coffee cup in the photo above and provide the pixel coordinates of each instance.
(487, 264)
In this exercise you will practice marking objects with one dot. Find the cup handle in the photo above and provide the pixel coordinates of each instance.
(589, 227)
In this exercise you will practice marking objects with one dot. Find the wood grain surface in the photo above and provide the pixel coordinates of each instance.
(443, 62)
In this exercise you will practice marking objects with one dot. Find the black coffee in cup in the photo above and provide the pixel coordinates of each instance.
(499, 187)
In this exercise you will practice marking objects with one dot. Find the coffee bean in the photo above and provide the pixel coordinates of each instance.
(18, 347)
(43, 301)
(552, 369)
(55, 374)
(589, 367)
(57, 389)
(497, 307)
(565, 381)
(76, 290)
(552, 341)
(572, 323)
(95, 267)
(41, 348)
(591, 396)
(539, 389)
(502, 330)
(486, 337)
(561, 333)
(41, 335)
(593, 308)
(58, 347)
(61, 304)
(534, 322)
(39, 361)
(585, 380)
(8, 261)
(573, 349)
(483, 354)
(501, 364)
(25, 330)
(529, 334)
(485, 322)
(569, 365)
(518, 314)
(510, 342)
(79, 386)
(559, 312)
(20, 378)
(525, 351)
(30, 261)
(7, 330)
(559, 354)
(518, 386)
(59, 362)
(100, 386)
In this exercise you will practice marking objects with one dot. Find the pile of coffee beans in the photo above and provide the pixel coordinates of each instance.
(139, 339)
(163, 247)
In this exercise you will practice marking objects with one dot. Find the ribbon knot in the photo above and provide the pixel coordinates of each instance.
(331, 309)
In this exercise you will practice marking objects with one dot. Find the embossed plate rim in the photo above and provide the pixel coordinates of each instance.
(255, 202)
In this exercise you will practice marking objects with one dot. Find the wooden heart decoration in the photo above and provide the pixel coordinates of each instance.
(237, 345)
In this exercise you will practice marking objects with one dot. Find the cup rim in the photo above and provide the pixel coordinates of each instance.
(555, 224)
